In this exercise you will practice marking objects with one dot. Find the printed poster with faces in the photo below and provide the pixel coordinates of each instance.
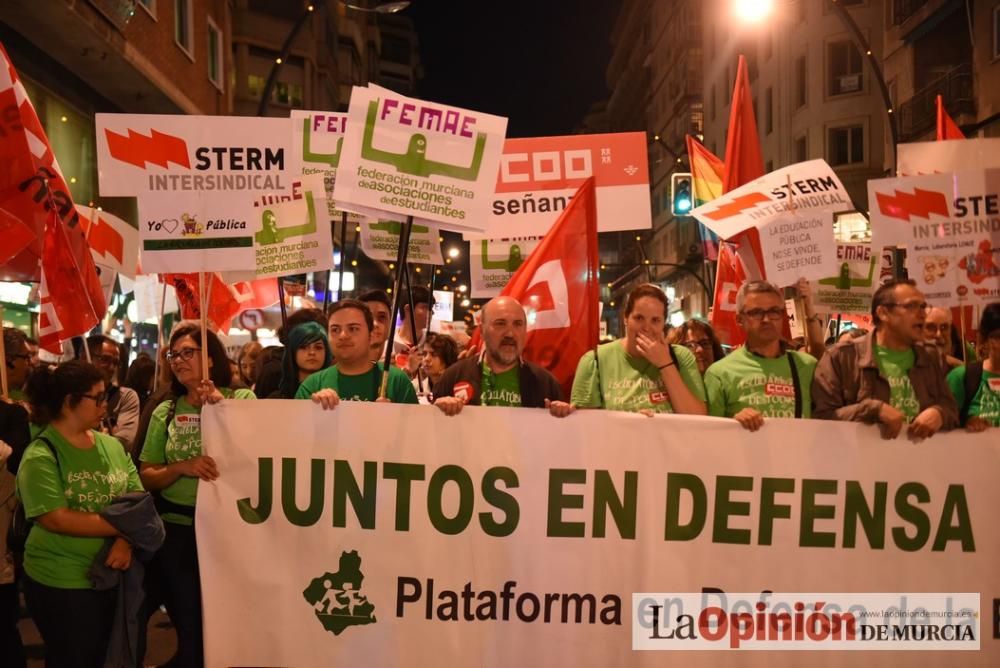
(950, 227)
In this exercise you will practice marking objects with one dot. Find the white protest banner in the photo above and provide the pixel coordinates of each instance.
(950, 226)
(792, 209)
(195, 177)
(419, 158)
(932, 157)
(380, 241)
(539, 175)
(492, 262)
(290, 236)
(377, 536)
(851, 290)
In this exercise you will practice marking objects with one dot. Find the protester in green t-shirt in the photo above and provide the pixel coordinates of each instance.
(980, 405)
(354, 377)
(890, 377)
(761, 379)
(639, 373)
(173, 464)
(67, 476)
(498, 376)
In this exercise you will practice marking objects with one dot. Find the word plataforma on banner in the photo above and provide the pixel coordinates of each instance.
(195, 178)
(538, 177)
(380, 241)
(288, 235)
(792, 208)
(862, 270)
(950, 226)
(493, 261)
(419, 158)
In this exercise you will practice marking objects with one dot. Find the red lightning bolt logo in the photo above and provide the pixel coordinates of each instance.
(738, 205)
(104, 239)
(156, 149)
(921, 203)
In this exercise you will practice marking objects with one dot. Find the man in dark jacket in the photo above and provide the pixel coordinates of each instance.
(890, 377)
(498, 376)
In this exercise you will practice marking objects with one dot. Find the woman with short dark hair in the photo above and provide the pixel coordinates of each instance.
(172, 464)
(437, 354)
(68, 475)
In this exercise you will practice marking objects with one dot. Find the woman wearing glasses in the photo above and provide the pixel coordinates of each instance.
(68, 475)
(172, 464)
(698, 337)
(641, 372)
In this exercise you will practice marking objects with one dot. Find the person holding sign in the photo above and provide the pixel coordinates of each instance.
(763, 378)
(976, 386)
(354, 377)
(68, 475)
(641, 373)
(889, 377)
(173, 464)
(498, 376)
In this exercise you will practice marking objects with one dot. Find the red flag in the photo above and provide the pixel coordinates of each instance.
(729, 276)
(225, 301)
(946, 128)
(34, 192)
(559, 289)
(16, 237)
(743, 161)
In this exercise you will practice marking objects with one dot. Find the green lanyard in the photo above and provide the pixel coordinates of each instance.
(489, 381)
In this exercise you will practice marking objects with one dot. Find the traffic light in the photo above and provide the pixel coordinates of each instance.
(681, 194)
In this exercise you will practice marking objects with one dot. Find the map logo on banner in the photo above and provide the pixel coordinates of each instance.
(337, 599)
(492, 263)
(792, 209)
(380, 241)
(418, 158)
(195, 178)
(950, 226)
(538, 177)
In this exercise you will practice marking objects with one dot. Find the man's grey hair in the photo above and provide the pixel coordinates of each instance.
(754, 288)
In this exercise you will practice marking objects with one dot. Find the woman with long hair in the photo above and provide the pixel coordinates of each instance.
(68, 475)
(307, 352)
(172, 465)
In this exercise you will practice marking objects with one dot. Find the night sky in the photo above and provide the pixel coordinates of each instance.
(541, 64)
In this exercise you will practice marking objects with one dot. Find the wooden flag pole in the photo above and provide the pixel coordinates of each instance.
(203, 312)
(404, 247)
(159, 340)
(3, 361)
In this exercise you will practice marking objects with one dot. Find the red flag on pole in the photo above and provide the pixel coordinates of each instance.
(743, 161)
(34, 192)
(225, 301)
(558, 287)
(946, 128)
(729, 276)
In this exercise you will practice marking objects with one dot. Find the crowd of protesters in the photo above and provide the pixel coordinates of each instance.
(107, 471)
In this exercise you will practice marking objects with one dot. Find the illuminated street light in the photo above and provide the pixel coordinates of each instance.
(453, 252)
(753, 11)
(462, 288)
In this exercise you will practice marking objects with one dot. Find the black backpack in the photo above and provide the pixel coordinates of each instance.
(20, 525)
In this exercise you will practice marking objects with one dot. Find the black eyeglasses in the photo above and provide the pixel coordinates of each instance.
(704, 344)
(99, 399)
(186, 354)
(758, 314)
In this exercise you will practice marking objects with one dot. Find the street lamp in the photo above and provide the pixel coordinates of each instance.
(384, 8)
(753, 11)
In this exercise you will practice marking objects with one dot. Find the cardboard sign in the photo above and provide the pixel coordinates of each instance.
(419, 158)
(798, 245)
(851, 289)
(950, 226)
(492, 262)
(380, 241)
(317, 140)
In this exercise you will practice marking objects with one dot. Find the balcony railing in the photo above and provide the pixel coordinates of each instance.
(919, 114)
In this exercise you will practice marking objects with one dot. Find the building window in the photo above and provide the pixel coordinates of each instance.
(768, 111)
(802, 149)
(845, 146)
(844, 62)
(183, 27)
(149, 6)
(996, 31)
(214, 54)
(801, 82)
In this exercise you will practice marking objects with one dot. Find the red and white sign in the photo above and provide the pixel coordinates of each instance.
(463, 390)
(251, 320)
(538, 177)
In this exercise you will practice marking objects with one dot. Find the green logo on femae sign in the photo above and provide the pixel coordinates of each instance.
(336, 598)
